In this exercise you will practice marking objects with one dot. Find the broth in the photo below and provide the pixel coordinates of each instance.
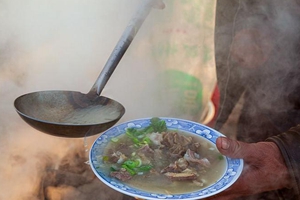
(157, 182)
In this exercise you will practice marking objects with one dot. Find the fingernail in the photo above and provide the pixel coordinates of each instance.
(224, 144)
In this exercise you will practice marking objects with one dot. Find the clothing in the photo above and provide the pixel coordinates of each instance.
(258, 58)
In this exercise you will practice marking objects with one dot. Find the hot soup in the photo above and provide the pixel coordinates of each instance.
(161, 160)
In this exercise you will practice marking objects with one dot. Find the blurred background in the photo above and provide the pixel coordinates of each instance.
(169, 70)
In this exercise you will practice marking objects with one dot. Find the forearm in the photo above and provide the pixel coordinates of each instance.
(289, 145)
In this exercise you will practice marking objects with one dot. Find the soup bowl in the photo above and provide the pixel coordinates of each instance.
(223, 178)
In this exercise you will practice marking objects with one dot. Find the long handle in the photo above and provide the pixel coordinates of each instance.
(122, 45)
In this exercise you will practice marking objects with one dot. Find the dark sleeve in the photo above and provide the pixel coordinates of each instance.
(229, 80)
(289, 145)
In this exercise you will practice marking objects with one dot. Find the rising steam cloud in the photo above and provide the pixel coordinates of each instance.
(46, 45)
(63, 45)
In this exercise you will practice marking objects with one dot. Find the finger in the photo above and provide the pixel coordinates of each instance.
(233, 148)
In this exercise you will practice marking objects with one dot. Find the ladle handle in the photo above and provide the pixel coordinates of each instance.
(122, 45)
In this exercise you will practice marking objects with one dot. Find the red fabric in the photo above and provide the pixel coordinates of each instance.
(215, 98)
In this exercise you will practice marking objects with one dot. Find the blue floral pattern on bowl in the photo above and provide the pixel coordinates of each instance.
(231, 173)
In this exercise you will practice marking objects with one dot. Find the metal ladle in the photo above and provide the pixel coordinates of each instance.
(74, 114)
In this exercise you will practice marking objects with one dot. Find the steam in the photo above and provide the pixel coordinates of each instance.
(46, 45)
(63, 45)
(266, 41)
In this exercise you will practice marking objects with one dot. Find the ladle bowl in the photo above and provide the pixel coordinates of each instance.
(68, 113)
(74, 114)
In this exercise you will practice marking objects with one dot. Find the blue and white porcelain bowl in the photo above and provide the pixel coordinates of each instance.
(231, 172)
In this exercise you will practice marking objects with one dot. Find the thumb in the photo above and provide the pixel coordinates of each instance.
(232, 148)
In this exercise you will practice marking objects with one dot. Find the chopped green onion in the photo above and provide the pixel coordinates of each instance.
(147, 140)
(105, 158)
(131, 164)
(131, 172)
(138, 135)
(143, 168)
(139, 162)
(135, 141)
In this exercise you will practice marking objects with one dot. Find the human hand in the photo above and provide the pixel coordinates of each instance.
(264, 168)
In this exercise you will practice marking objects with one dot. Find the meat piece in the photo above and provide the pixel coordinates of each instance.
(177, 151)
(167, 139)
(195, 146)
(181, 176)
(182, 163)
(176, 143)
(156, 138)
(122, 174)
(178, 166)
(117, 157)
(171, 168)
(193, 157)
(145, 159)
(171, 138)
(146, 149)
(183, 140)
(146, 154)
